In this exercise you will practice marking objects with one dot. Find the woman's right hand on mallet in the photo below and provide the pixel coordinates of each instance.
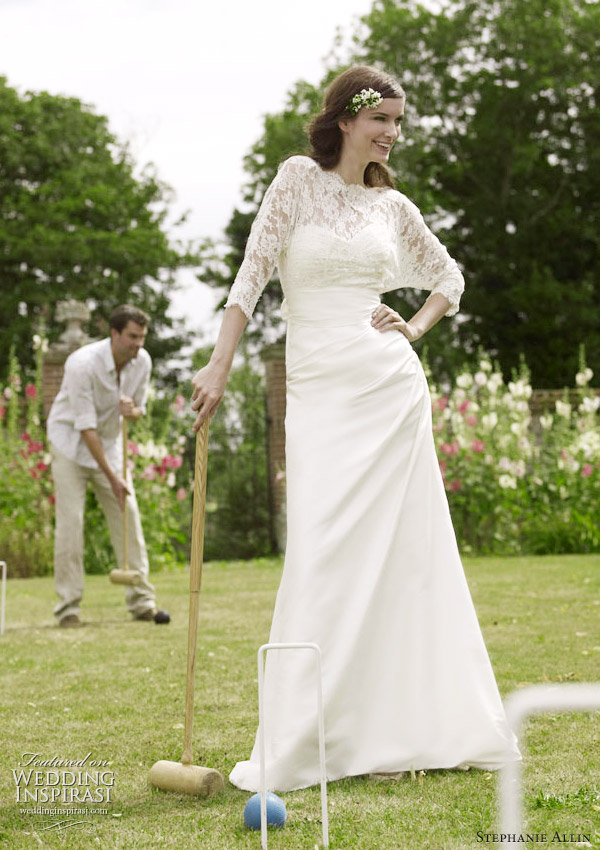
(208, 390)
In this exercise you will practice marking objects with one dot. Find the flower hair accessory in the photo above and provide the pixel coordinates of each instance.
(367, 97)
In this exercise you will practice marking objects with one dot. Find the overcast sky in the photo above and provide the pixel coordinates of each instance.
(186, 82)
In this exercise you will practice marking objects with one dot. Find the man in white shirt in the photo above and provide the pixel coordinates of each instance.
(102, 382)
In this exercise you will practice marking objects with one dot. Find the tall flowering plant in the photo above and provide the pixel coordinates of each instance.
(26, 497)
(158, 463)
(515, 485)
(160, 460)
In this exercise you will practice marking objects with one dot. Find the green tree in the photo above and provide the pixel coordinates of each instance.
(501, 152)
(284, 135)
(502, 140)
(76, 222)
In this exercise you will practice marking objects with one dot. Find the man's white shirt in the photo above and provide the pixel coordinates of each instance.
(89, 398)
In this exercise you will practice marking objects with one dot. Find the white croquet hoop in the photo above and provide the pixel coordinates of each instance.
(535, 699)
(3, 601)
(313, 647)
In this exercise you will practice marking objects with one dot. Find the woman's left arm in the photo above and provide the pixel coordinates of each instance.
(423, 263)
(386, 319)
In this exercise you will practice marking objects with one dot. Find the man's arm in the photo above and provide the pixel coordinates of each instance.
(94, 443)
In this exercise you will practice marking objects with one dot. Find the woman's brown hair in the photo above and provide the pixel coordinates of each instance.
(323, 131)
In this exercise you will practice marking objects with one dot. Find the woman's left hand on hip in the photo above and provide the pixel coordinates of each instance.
(385, 319)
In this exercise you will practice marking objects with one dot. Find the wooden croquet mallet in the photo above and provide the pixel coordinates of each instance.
(185, 777)
(125, 575)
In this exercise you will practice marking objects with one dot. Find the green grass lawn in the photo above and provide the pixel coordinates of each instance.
(115, 689)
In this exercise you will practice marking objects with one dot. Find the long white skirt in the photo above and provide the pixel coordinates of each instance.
(372, 571)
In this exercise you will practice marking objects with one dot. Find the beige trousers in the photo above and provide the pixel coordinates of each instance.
(70, 483)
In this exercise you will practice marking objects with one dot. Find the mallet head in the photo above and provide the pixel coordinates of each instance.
(186, 778)
(131, 577)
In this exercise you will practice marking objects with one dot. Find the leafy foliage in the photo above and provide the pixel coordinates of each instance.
(502, 136)
(76, 222)
(284, 136)
(238, 521)
(501, 153)
(161, 459)
(518, 485)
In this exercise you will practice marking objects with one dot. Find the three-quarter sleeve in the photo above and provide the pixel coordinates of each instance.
(268, 236)
(424, 263)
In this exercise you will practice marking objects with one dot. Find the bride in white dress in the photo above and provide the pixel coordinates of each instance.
(372, 572)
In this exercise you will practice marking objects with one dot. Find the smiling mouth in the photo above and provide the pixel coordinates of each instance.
(383, 146)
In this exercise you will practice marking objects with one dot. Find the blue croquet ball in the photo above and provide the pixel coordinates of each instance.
(276, 812)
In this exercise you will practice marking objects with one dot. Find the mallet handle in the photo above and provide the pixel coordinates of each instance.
(125, 535)
(195, 582)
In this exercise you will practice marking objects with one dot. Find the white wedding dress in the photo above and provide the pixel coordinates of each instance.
(372, 572)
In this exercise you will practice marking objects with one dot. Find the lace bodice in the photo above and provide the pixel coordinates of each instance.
(322, 232)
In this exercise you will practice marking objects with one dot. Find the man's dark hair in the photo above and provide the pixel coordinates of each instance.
(126, 313)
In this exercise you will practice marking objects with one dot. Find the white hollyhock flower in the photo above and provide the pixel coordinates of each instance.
(464, 381)
(489, 421)
(583, 378)
(589, 405)
(563, 408)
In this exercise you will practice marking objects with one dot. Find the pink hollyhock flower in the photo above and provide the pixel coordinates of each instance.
(441, 403)
(478, 446)
(450, 448)
(181, 494)
(173, 461)
(179, 404)
(31, 391)
(471, 420)
(133, 448)
(149, 473)
(25, 437)
(41, 466)
(455, 485)
(52, 499)
(586, 470)
(35, 447)
(2, 412)
(443, 466)
(462, 408)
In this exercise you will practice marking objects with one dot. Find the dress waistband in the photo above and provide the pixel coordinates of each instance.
(330, 306)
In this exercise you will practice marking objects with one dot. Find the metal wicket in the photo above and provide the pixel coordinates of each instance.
(313, 647)
(3, 602)
(519, 705)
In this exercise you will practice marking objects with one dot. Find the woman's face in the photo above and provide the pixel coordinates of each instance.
(370, 136)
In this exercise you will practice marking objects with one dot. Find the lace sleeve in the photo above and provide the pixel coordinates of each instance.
(423, 261)
(268, 236)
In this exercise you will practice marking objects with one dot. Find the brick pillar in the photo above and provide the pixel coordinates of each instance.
(53, 366)
(274, 359)
(52, 373)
